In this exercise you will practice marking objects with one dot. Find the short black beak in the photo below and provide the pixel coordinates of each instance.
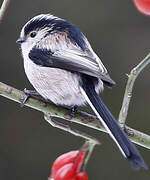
(20, 41)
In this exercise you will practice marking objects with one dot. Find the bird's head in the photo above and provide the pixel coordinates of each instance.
(36, 29)
(43, 25)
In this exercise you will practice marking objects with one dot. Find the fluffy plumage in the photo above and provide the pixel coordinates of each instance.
(61, 65)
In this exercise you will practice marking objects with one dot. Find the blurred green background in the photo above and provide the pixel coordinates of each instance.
(121, 37)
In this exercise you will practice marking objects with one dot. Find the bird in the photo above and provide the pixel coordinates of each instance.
(62, 67)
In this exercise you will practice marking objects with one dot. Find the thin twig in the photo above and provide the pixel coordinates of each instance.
(129, 88)
(89, 145)
(3, 9)
(80, 118)
(67, 128)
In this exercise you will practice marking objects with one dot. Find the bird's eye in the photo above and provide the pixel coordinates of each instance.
(32, 34)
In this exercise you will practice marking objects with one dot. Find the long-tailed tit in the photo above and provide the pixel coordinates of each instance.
(62, 67)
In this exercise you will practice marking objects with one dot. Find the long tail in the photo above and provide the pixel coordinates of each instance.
(109, 122)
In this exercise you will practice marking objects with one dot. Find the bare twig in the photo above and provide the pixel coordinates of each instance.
(129, 87)
(67, 128)
(89, 147)
(3, 9)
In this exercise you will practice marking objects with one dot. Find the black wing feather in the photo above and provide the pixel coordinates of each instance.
(70, 61)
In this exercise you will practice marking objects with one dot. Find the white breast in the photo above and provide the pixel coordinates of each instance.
(59, 86)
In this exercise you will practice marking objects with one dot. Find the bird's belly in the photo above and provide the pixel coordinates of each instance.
(59, 86)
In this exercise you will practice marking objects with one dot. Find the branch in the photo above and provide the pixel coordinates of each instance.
(80, 117)
(3, 9)
(69, 129)
(129, 88)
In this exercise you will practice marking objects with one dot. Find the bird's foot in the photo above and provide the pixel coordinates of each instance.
(74, 109)
(29, 94)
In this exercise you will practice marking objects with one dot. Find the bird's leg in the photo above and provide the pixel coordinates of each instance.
(31, 93)
(74, 110)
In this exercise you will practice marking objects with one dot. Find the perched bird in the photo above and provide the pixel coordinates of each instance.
(62, 67)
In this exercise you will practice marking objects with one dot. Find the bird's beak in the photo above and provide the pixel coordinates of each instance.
(20, 40)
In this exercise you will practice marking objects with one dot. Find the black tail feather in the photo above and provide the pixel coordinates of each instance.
(110, 123)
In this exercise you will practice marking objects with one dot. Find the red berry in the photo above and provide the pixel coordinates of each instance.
(143, 6)
(67, 172)
(63, 160)
(67, 166)
(81, 176)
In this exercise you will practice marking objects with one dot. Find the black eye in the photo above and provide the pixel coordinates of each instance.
(32, 34)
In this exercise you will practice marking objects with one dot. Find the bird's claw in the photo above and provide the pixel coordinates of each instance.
(29, 93)
(73, 110)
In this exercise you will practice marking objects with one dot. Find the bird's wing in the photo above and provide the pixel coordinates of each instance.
(73, 60)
